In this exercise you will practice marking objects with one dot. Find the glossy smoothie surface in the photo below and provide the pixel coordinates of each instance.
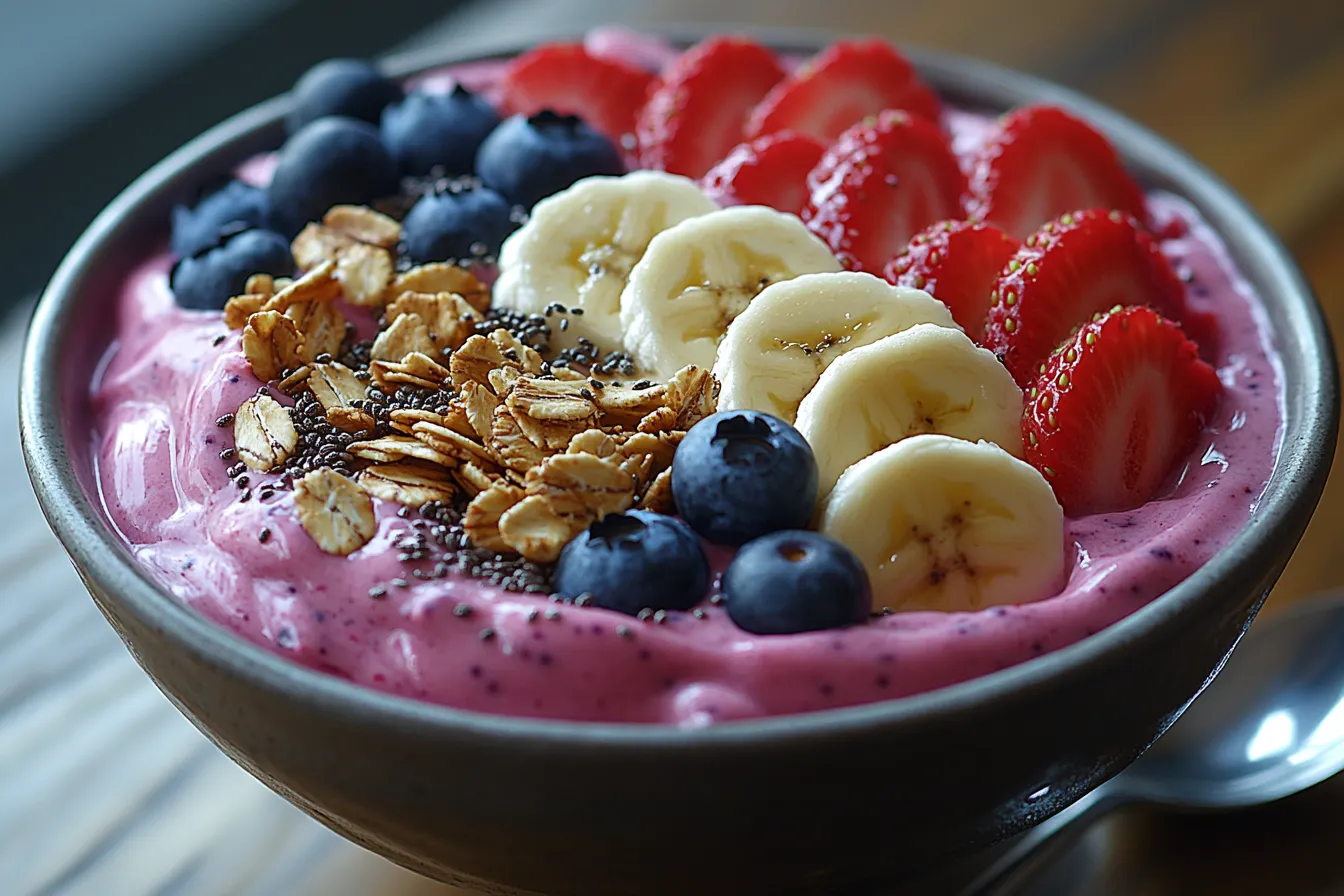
(463, 643)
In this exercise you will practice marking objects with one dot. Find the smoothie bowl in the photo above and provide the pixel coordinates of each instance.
(859, 483)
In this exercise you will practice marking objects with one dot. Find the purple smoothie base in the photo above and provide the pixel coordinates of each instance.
(164, 383)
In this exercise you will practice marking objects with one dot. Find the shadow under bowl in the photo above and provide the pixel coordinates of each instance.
(825, 802)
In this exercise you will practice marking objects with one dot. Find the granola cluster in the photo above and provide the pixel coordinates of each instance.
(436, 411)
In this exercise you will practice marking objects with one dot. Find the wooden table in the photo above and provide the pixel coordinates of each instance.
(106, 790)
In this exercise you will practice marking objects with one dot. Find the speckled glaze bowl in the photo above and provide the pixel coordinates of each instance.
(844, 801)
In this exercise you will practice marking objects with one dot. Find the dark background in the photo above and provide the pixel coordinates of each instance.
(93, 93)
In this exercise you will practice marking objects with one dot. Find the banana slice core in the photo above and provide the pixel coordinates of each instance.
(776, 349)
(926, 379)
(579, 246)
(941, 523)
(697, 277)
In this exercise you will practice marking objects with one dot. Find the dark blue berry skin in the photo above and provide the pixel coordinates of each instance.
(449, 225)
(232, 208)
(207, 280)
(427, 131)
(349, 87)
(528, 159)
(633, 561)
(795, 581)
(332, 161)
(738, 475)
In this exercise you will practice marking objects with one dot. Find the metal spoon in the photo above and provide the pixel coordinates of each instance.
(1270, 725)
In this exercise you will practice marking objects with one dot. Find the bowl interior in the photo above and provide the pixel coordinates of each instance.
(69, 340)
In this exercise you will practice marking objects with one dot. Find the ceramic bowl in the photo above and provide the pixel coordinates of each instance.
(827, 802)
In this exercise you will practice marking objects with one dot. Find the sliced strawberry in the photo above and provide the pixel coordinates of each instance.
(1116, 410)
(957, 262)
(1069, 270)
(697, 112)
(883, 181)
(1043, 162)
(565, 78)
(770, 170)
(845, 83)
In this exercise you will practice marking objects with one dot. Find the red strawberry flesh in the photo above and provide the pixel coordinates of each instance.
(565, 78)
(770, 170)
(1043, 162)
(842, 85)
(883, 181)
(1116, 410)
(957, 262)
(1073, 268)
(698, 110)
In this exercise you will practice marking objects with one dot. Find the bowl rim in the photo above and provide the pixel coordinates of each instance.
(1293, 488)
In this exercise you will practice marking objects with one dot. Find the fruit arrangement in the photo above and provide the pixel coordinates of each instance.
(620, 315)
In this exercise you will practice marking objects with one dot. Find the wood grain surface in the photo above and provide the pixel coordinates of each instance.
(106, 790)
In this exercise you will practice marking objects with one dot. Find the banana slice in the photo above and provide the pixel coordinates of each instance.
(776, 349)
(578, 248)
(941, 523)
(698, 276)
(927, 379)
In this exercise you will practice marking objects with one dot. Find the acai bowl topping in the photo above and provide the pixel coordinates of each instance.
(611, 383)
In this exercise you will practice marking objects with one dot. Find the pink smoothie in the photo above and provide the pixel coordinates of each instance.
(463, 643)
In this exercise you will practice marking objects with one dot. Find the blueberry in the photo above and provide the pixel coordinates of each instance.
(740, 474)
(528, 159)
(232, 208)
(795, 581)
(209, 279)
(330, 162)
(634, 560)
(427, 131)
(465, 224)
(350, 87)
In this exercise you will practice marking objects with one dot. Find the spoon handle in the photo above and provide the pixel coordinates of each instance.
(1038, 847)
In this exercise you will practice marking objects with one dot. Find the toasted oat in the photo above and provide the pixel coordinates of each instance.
(582, 485)
(364, 225)
(658, 496)
(662, 419)
(407, 334)
(316, 244)
(693, 393)
(552, 401)
(239, 308)
(272, 344)
(415, 370)
(622, 405)
(508, 444)
(404, 419)
(568, 374)
(515, 354)
(503, 379)
(351, 420)
(411, 483)
(454, 444)
(260, 284)
(482, 518)
(536, 531)
(479, 405)
(474, 479)
(641, 456)
(364, 272)
(390, 449)
(298, 377)
(263, 433)
(473, 362)
(448, 317)
(335, 385)
(317, 285)
(336, 512)
(594, 442)
(322, 326)
(440, 277)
